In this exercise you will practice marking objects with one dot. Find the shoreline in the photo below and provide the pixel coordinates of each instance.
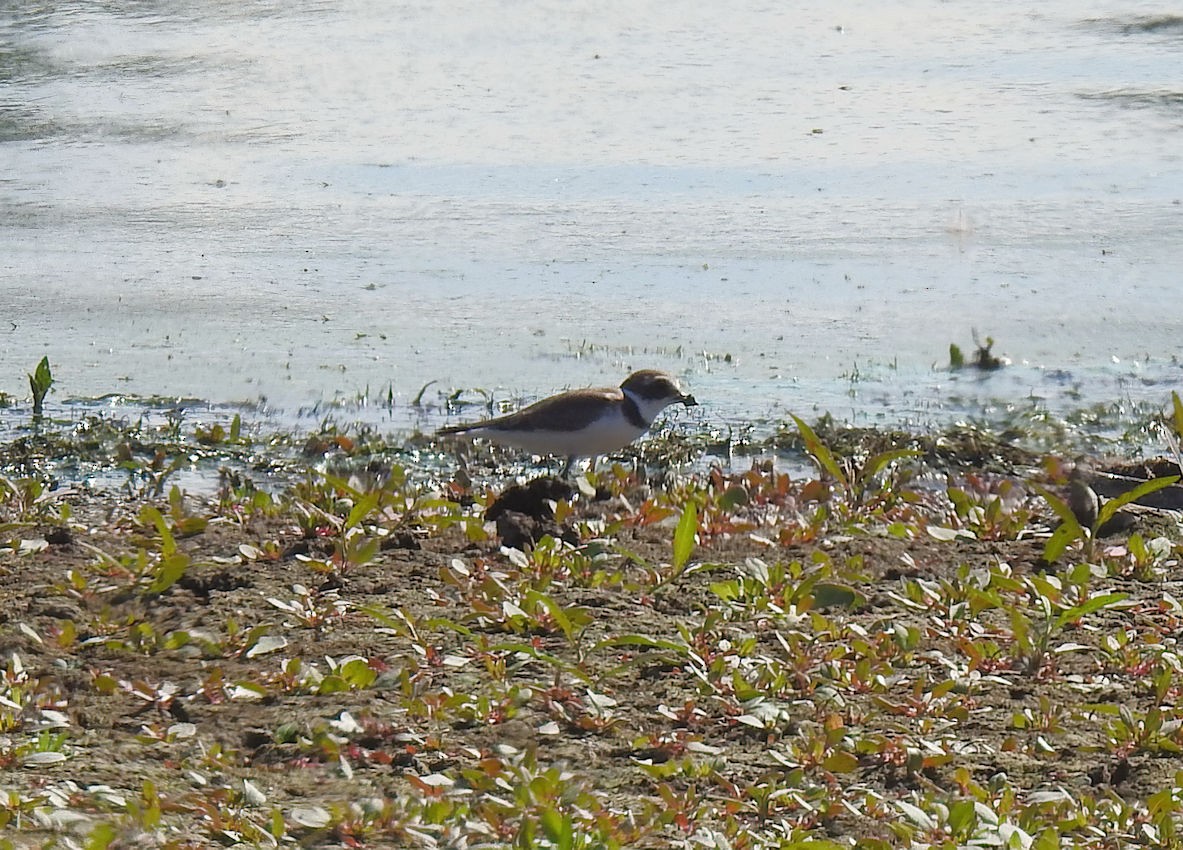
(108, 443)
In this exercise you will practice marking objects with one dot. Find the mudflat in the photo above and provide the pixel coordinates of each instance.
(887, 651)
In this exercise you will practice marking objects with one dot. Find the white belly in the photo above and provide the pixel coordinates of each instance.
(601, 437)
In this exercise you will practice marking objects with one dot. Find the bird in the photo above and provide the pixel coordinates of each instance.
(1082, 498)
(585, 422)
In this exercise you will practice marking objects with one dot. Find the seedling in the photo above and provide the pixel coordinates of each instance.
(40, 382)
(856, 479)
(683, 546)
(148, 478)
(983, 359)
(1033, 635)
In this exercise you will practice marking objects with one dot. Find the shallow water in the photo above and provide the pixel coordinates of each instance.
(793, 208)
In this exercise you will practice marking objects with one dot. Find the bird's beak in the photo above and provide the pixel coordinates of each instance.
(688, 400)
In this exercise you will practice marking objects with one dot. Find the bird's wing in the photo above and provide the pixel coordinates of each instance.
(563, 412)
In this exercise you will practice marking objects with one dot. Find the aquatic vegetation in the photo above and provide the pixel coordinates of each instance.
(40, 382)
(982, 359)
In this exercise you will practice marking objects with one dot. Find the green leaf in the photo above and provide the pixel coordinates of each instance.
(1059, 506)
(531, 651)
(841, 761)
(276, 826)
(684, 535)
(40, 382)
(1137, 547)
(1089, 606)
(877, 463)
(169, 572)
(956, 358)
(357, 673)
(1068, 531)
(1178, 405)
(175, 640)
(190, 525)
(445, 623)
(332, 685)
(963, 817)
(151, 515)
(43, 376)
(735, 496)
(534, 600)
(643, 641)
(818, 450)
(1058, 542)
(1113, 505)
(102, 836)
(557, 828)
(342, 486)
(1106, 708)
(1048, 839)
(830, 595)
(363, 507)
(727, 591)
(418, 400)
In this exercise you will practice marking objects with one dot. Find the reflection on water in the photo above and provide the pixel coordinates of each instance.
(310, 201)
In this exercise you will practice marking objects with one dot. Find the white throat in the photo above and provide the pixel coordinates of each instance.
(649, 407)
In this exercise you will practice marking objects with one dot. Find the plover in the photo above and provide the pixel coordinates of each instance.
(1082, 498)
(583, 423)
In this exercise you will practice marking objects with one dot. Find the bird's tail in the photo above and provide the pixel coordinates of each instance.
(448, 430)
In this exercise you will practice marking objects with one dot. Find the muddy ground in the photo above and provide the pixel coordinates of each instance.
(166, 678)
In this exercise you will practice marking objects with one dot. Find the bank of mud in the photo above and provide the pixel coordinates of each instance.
(350, 656)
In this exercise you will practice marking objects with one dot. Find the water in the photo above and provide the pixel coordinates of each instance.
(796, 207)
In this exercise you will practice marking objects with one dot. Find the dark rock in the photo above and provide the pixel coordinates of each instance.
(59, 536)
(402, 539)
(521, 531)
(531, 498)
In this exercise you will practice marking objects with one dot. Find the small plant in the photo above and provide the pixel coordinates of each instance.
(312, 609)
(1050, 612)
(1174, 430)
(683, 544)
(858, 480)
(991, 509)
(217, 435)
(148, 477)
(40, 382)
(983, 359)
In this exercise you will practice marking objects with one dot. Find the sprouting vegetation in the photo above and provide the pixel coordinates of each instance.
(40, 382)
(906, 642)
(983, 359)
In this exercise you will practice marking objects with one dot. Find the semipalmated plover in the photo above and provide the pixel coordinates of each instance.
(583, 423)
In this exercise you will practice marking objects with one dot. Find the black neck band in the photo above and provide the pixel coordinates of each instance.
(633, 413)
